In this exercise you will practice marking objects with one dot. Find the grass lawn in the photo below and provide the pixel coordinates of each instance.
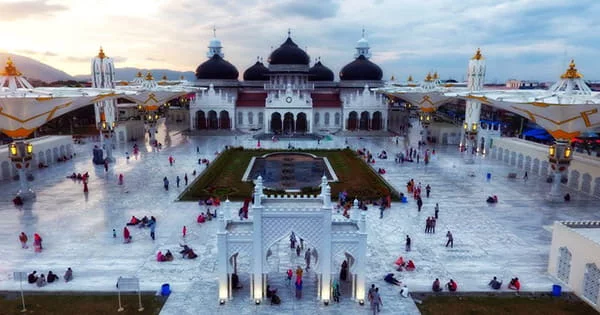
(525, 305)
(62, 304)
(224, 176)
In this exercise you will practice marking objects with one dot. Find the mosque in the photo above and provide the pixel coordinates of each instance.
(287, 95)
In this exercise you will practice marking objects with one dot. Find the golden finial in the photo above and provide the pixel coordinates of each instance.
(164, 77)
(101, 54)
(392, 78)
(410, 79)
(139, 74)
(478, 55)
(428, 78)
(435, 76)
(182, 78)
(571, 73)
(149, 76)
(10, 69)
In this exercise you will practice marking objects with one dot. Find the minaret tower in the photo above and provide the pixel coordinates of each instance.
(103, 77)
(214, 46)
(362, 47)
(476, 78)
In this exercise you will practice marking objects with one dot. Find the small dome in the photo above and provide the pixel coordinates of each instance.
(289, 54)
(319, 72)
(217, 68)
(362, 43)
(361, 69)
(258, 72)
(214, 42)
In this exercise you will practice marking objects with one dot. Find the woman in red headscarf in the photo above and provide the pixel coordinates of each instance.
(126, 235)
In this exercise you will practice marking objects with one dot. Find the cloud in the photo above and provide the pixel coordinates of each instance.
(154, 59)
(11, 11)
(310, 9)
(78, 59)
(36, 53)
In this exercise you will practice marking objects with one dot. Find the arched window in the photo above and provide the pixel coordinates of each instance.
(327, 118)
(240, 118)
(317, 118)
(250, 118)
(591, 283)
(337, 118)
(261, 118)
(564, 264)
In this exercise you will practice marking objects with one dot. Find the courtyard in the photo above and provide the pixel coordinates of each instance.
(507, 239)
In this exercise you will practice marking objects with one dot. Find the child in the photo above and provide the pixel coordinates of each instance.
(23, 239)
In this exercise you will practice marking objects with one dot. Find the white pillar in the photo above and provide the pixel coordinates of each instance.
(325, 251)
(361, 260)
(355, 214)
(327, 198)
(257, 252)
(222, 263)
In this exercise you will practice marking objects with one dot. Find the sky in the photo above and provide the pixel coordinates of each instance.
(523, 39)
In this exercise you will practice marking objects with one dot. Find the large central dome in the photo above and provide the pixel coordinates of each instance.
(217, 68)
(289, 54)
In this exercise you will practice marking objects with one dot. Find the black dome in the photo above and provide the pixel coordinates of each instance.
(289, 54)
(258, 72)
(217, 68)
(361, 69)
(319, 72)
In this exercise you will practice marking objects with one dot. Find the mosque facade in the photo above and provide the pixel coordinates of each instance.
(287, 95)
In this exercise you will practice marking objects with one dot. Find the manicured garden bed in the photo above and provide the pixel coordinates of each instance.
(224, 176)
(514, 305)
(78, 304)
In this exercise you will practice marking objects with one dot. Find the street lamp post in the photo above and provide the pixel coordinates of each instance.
(425, 119)
(470, 141)
(21, 153)
(560, 155)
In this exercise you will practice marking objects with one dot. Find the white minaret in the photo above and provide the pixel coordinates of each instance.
(103, 76)
(362, 47)
(214, 46)
(476, 78)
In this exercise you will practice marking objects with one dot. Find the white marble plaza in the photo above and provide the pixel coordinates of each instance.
(508, 239)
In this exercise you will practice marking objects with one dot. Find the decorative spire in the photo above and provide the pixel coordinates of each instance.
(164, 77)
(181, 78)
(101, 54)
(10, 70)
(139, 74)
(428, 78)
(149, 76)
(363, 32)
(572, 72)
(392, 78)
(478, 55)
(435, 76)
(289, 32)
(214, 31)
(410, 78)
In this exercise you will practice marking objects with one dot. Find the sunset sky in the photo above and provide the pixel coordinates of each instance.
(524, 39)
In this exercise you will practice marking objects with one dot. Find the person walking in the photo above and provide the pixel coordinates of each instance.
(376, 302)
(371, 292)
(152, 228)
(450, 239)
(432, 226)
(437, 210)
(427, 224)
(177, 181)
(185, 179)
(166, 183)
(408, 242)
(381, 208)
(307, 258)
(419, 203)
(171, 160)
(299, 288)
(23, 238)
(427, 190)
(525, 176)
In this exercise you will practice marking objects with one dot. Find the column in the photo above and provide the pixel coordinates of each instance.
(325, 251)
(222, 264)
(257, 252)
(361, 260)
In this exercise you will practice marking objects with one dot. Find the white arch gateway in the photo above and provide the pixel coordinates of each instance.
(275, 217)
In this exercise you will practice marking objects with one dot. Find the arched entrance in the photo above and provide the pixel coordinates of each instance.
(200, 120)
(376, 121)
(353, 120)
(213, 121)
(364, 121)
(224, 122)
(239, 276)
(301, 123)
(288, 123)
(276, 123)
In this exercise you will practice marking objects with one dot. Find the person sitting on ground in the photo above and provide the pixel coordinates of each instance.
(32, 278)
(452, 286)
(41, 281)
(18, 201)
(436, 287)
(160, 257)
(51, 277)
(133, 221)
(410, 266)
(168, 256)
(514, 284)
(495, 284)
(144, 221)
(275, 300)
(68, 275)
(209, 215)
(492, 199)
(568, 197)
(400, 263)
(270, 291)
(185, 249)
(389, 278)
(201, 218)
(190, 254)
(404, 291)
